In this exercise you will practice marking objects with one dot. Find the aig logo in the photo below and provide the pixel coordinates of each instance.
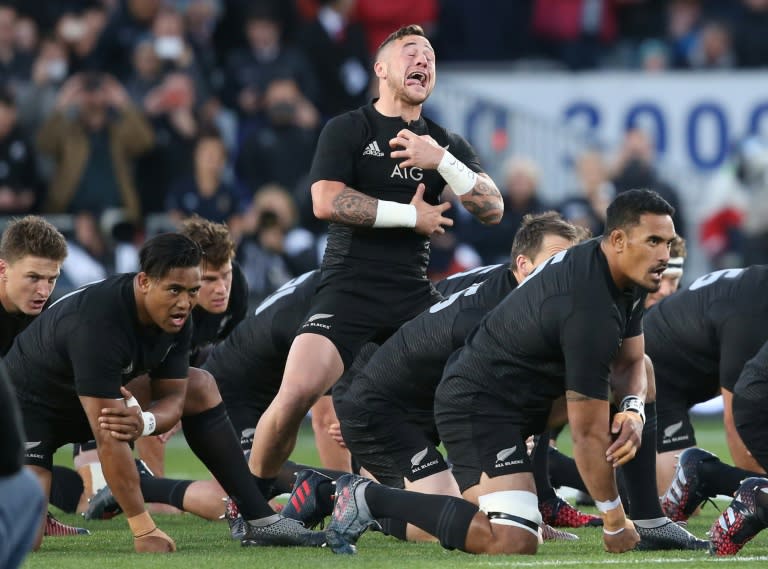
(412, 173)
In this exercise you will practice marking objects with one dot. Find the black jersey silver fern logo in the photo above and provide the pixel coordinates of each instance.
(504, 454)
(419, 456)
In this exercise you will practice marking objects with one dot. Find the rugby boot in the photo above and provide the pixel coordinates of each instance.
(687, 490)
(351, 516)
(304, 504)
(743, 519)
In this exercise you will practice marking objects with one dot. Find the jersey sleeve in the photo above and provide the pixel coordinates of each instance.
(464, 151)
(335, 151)
(176, 363)
(635, 324)
(98, 354)
(239, 300)
(589, 342)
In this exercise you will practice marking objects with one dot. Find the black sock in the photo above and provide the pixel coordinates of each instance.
(446, 517)
(393, 527)
(212, 438)
(563, 471)
(640, 473)
(66, 489)
(266, 486)
(165, 491)
(720, 478)
(540, 463)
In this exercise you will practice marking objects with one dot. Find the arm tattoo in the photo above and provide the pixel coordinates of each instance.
(351, 207)
(484, 202)
(576, 396)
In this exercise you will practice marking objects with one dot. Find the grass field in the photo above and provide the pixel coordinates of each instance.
(205, 544)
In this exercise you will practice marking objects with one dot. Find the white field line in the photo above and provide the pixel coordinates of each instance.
(620, 561)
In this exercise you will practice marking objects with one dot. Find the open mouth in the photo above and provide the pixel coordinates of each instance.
(658, 272)
(416, 78)
(178, 319)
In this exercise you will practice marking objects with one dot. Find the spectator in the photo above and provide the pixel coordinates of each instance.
(588, 208)
(171, 109)
(281, 151)
(484, 30)
(200, 18)
(713, 50)
(147, 72)
(750, 39)
(574, 32)
(130, 22)
(380, 18)
(273, 249)
(80, 31)
(15, 65)
(635, 169)
(519, 191)
(264, 59)
(205, 192)
(27, 36)
(19, 183)
(653, 56)
(37, 98)
(683, 28)
(173, 50)
(338, 54)
(94, 135)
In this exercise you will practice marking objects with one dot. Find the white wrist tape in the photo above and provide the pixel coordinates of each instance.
(393, 214)
(635, 404)
(614, 532)
(608, 505)
(149, 423)
(457, 174)
(132, 402)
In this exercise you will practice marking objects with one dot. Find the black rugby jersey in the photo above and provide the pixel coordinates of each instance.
(353, 148)
(208, 328)
(559, 329)
(710, 329)
(91, 342)
(753, 380)
(11, 324)
(460, 281)
(406, 369)
(256, 349)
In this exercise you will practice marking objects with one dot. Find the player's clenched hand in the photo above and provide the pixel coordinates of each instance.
(124, 424)
(429, 218)
(628, 426)
(156, 541)
(623, 541)
(421, 151)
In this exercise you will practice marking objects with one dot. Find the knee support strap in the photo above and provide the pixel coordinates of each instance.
(514, 508)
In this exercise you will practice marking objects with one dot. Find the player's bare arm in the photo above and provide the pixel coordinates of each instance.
(588, 420)
(629, 384)
(335, 201)
(166, 404)
(484, 200)
(115, 456)
(477, 192)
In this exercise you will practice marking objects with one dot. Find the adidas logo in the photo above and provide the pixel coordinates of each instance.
(373, 150)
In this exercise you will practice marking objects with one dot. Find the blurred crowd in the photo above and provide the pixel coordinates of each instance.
(126, 116)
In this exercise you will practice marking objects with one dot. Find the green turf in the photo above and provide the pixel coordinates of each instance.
(207, 544)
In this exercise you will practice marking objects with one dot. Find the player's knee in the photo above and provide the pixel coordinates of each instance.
(202, 385)
(515, 518)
